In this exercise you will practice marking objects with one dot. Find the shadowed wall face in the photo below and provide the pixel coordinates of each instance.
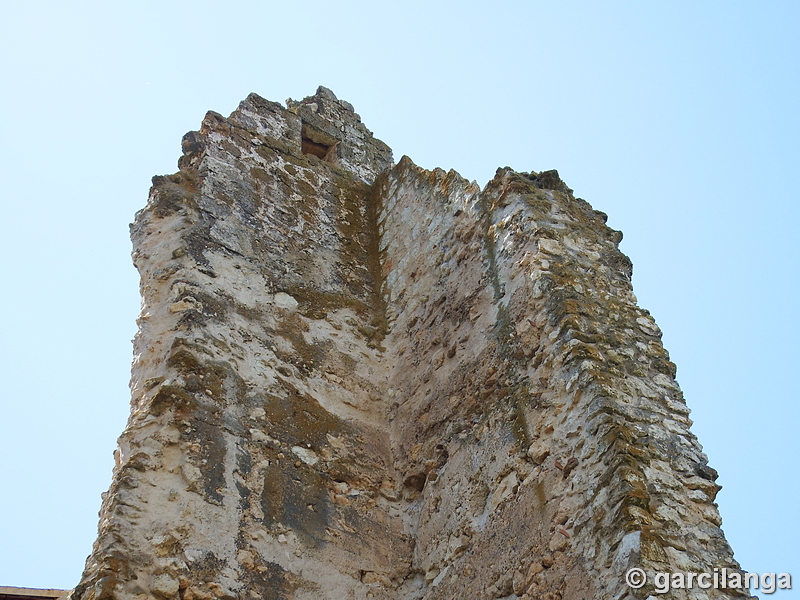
(354, 379)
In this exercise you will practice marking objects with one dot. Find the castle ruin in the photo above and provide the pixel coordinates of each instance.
(355, 378)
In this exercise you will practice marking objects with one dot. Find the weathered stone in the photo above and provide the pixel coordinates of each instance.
(360, 379)
(165, 585)
(539, 451)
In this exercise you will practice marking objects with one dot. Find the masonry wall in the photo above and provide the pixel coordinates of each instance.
(354, 379)
(534, 398)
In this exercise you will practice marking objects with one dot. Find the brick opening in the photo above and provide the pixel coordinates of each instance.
(318, 150)
(318, 144)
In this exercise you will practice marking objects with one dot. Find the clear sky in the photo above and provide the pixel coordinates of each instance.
(678, 119)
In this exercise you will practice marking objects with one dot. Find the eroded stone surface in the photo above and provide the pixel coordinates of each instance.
(356, 379)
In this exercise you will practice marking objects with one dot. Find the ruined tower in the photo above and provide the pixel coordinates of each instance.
(360, 379)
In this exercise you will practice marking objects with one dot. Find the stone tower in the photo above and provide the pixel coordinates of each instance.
(359, 379)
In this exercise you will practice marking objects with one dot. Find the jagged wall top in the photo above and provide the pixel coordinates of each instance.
(320, 127)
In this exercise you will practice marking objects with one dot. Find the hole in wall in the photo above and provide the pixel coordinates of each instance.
(317, 143)
(415, 482)
(318, 150)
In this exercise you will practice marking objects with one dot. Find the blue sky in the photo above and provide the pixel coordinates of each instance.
(679, 120)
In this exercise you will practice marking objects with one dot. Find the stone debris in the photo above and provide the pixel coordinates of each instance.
(361, 379)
